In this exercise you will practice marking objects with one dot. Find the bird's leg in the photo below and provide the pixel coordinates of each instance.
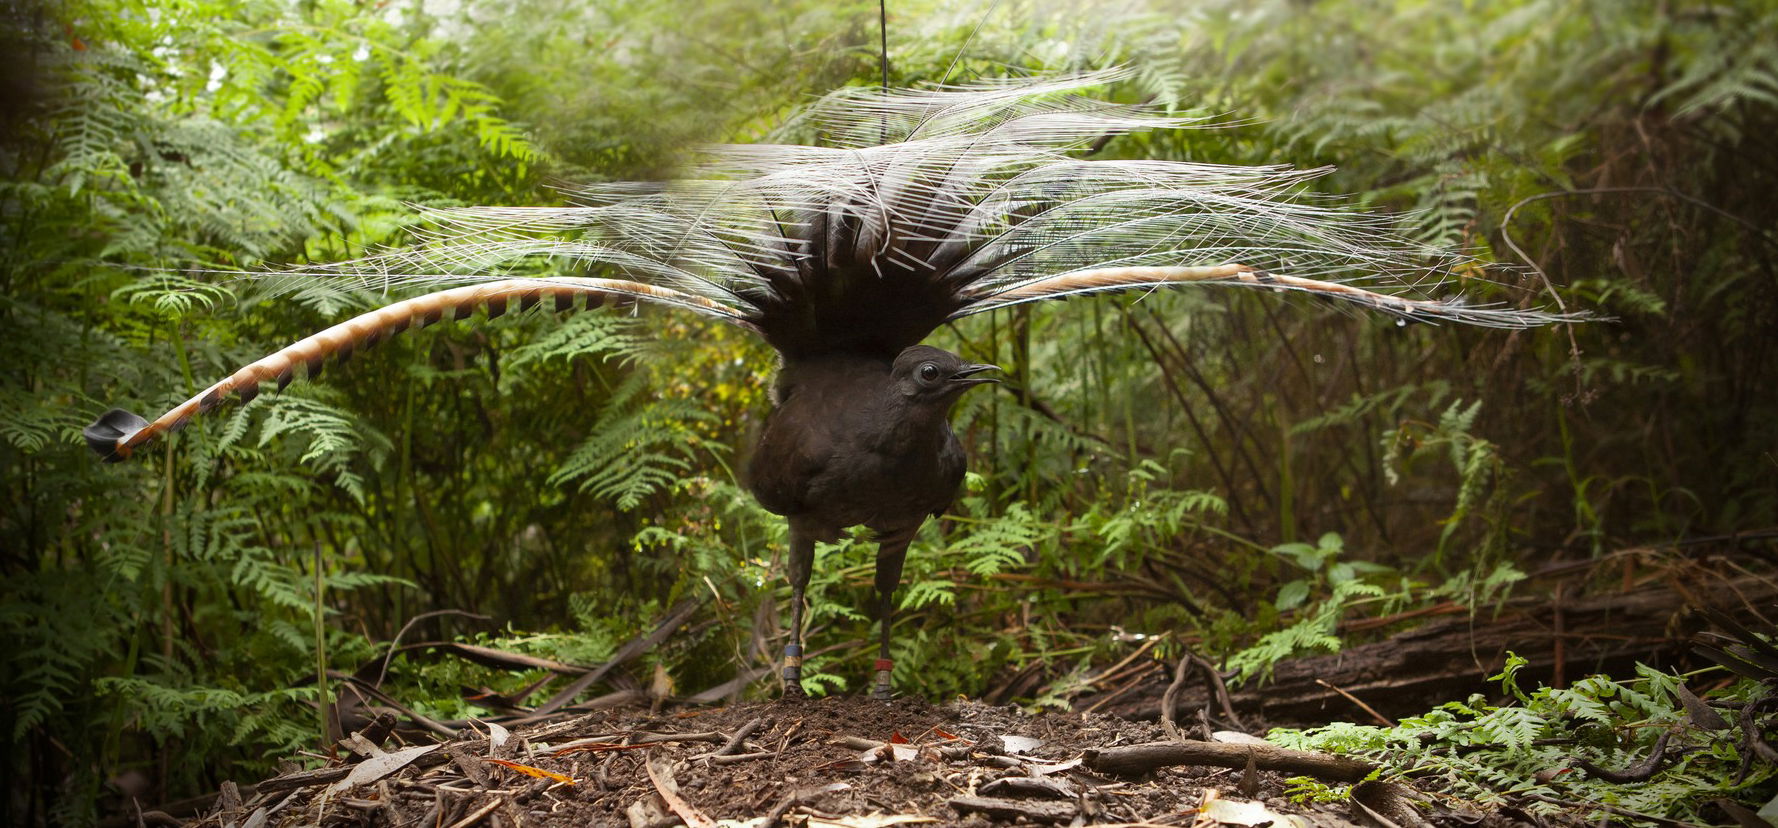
(890, 555)
(802, 561)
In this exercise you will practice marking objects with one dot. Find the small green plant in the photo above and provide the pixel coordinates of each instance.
(1345, 585)
(1475, 460)
(1533, 749)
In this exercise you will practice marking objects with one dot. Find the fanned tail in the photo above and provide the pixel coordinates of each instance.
(118, 433)
(1114, 279)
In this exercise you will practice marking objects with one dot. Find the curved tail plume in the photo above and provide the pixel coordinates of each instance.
(1115, 279)
(118, 433)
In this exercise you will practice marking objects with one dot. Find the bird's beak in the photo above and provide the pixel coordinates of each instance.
(966, 376)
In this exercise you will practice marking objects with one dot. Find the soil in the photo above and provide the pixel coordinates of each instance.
(818, 762)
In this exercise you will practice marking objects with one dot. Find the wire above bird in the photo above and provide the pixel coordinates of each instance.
(912, 209)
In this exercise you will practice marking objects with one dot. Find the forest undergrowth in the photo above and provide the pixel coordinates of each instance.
(1255, 479)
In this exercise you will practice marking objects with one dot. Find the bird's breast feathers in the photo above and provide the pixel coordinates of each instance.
(854, 458)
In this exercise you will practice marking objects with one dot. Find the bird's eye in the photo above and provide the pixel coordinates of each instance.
(928, 372)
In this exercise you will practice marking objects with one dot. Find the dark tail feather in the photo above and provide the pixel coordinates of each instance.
(107, 435)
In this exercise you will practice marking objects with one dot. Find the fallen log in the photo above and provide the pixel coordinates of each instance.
(1452, 656)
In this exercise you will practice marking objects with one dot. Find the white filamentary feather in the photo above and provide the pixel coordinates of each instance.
(979, 187)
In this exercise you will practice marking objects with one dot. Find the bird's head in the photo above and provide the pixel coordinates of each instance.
(924, 374)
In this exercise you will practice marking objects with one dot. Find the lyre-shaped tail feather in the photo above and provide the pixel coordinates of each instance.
(1114, 279)
(118, 433)
(931, 205)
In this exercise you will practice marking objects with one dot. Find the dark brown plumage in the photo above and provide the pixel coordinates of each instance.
(853, 441)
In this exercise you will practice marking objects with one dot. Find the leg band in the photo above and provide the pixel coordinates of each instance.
(881, 688)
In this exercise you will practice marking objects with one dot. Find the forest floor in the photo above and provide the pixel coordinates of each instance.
(620, 760)
(837, 761)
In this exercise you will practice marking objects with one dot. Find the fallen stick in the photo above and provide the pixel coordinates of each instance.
(662, 777)
(614, 741)
(1013, 809)
(776, 815)
(734, 742)
(477, 816)
(1027, 786)
(1136, 760)
(304, 779)
(674, 620)
(732, 758)
(1639, 772)
(366, 688)
(658, 738)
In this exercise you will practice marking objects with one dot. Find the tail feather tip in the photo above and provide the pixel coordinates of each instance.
(107, 434)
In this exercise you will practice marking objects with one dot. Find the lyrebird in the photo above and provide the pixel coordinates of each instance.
(920, 208)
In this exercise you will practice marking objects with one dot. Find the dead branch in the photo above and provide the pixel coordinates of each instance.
(1028, 786)
(636, 647)
(1639, 772)
(1011, 809)
(733, 758)
(1136, 760)
(734, 742)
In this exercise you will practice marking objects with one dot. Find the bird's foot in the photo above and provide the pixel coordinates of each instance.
(881, 689)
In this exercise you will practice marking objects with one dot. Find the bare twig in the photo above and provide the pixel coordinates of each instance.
(1107, 672)
(1115, 694)
(1375, 716)
(478, 814)
(776, 814)
(674, 620)
(733, 758)
(734, 742)
(1213, 679)
(1221, 688)
(658, 738)
(1170, 699)
(789, 732)
(385, 698)
(396, 641)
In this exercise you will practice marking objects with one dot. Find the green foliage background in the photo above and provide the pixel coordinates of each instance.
(1156, 465)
